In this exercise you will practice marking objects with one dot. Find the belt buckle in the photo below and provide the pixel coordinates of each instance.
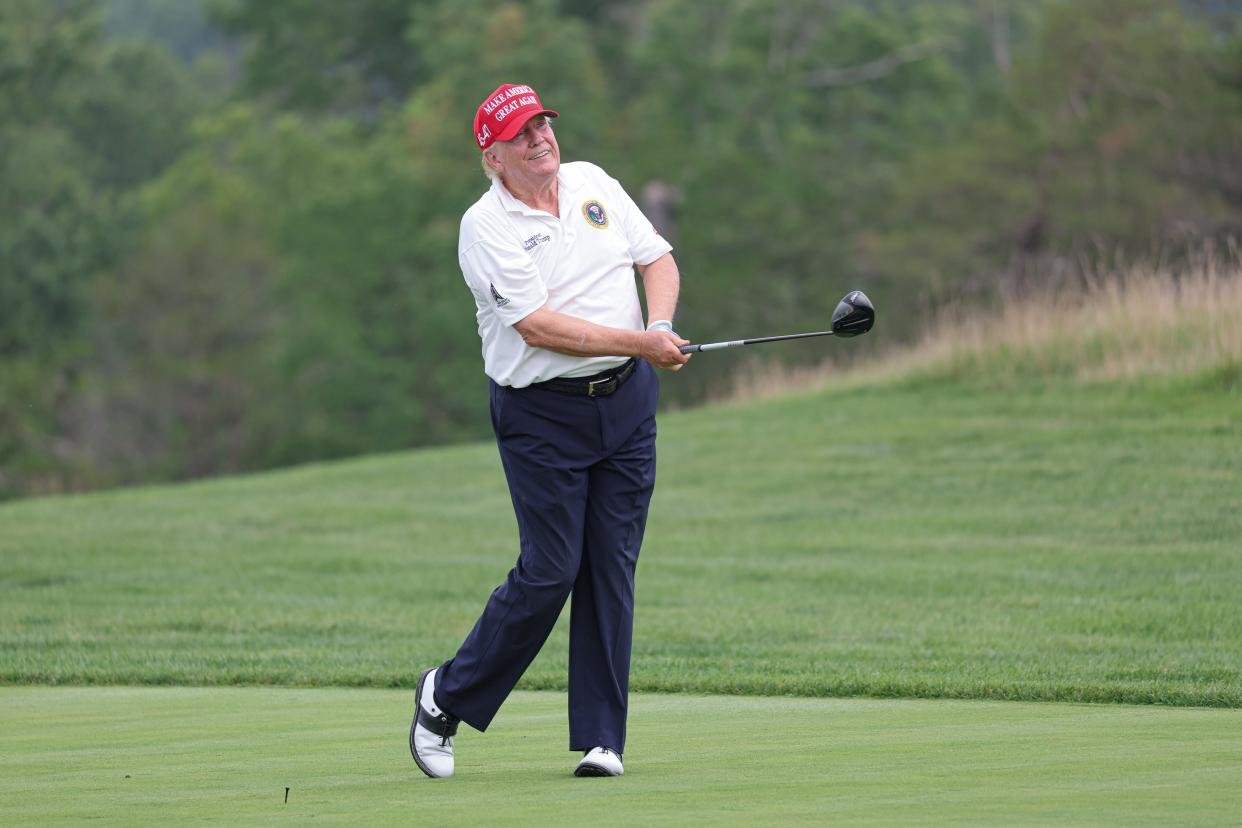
(591, 385)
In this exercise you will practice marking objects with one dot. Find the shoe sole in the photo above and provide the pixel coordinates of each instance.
(592, 769)
(418, 703)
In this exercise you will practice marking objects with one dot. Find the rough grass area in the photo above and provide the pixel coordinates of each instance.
(1149, 324)
(1119, 327)
(173, 756)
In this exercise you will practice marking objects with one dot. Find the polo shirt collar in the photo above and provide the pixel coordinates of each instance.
(568, 181)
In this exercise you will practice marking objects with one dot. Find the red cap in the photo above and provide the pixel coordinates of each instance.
(503, 114)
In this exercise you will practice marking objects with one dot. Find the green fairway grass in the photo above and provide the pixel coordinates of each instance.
(169, 756)
(906, 538)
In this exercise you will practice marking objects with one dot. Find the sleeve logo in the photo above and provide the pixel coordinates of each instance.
(595, 214)
(497, 298)
(535, 240)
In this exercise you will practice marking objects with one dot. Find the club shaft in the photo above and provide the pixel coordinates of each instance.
(735, 343)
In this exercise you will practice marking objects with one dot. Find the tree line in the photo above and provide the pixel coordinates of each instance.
(228, 228)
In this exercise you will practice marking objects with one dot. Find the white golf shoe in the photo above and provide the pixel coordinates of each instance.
(432, 731)
(600, 761)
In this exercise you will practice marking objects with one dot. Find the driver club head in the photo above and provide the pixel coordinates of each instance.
(854, 315)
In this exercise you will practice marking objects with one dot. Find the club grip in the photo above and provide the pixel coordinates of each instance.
(690, 349)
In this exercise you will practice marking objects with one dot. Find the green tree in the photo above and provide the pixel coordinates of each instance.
(280, 283)
(383, 346)
(53, 229)
(779, 122)
(180, 25)
(79, 122)
(1120, 131)
(375, 344)
(308, 55)
(181, 349)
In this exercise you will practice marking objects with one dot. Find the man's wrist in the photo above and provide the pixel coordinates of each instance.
(661, 325)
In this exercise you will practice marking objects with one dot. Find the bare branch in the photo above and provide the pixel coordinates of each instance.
(1000, 36)
(878, 68)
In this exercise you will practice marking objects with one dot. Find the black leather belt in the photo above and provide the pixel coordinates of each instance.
(596, 385)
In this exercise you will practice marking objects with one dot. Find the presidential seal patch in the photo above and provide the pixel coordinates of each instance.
(594, 212)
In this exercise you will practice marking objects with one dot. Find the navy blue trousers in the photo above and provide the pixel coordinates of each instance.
(580, 471)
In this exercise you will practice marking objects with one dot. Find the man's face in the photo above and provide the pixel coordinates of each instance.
(532, 154)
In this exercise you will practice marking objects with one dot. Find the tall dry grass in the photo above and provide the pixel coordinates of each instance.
(1145, 322)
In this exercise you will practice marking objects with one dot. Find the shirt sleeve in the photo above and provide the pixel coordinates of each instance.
(507, 276)
(646, 244)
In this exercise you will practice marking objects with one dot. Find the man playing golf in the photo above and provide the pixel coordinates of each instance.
(549, 253)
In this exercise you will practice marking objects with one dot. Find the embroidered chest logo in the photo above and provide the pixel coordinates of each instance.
(500, 300)
(535, 240)
(595, 214)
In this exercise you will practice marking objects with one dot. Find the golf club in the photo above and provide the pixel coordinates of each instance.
(854, 316)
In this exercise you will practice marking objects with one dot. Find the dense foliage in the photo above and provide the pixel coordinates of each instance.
(228, 228)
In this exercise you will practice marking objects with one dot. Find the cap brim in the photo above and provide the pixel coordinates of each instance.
(515, 125)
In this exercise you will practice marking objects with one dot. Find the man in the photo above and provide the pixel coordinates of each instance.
(549, 253)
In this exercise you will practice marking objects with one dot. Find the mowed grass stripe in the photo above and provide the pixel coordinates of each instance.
(138, 756)
(911, 538)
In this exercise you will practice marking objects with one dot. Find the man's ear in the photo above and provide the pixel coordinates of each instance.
(492, 160)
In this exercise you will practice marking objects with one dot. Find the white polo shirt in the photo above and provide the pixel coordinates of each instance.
(517, 259)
